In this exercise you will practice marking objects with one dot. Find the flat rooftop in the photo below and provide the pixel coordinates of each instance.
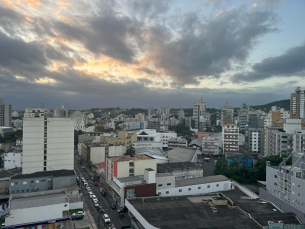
(38, 200)
(200, 180)
(181, 154)
(129, 158)
(153, 152)
(131, 179)
(10, 173)
(182, 213)
(54, 173)
(170, 167)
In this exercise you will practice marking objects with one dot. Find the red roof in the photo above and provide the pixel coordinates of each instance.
(101, 165)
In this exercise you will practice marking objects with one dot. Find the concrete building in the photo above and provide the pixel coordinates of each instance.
(126, 166)
(41, 181)
(230, 138)
(12, 160)
(205, 120)
(61, 112)
(181, 114)
(131, 126)
(297, 104)
(181, 170)
(140, 117)
(5, 114)
(134, 186)
(157, 154)
(243, 116)
(147, 144)
(123, 138)
(5, 177)
(211, 144)
(17, 123)
(165, 111)
(285, 185)
(47, 142)
(276, 115)
(255, 140)
(15, 114)
(284, 140)
(177, 142)
(151, 112)
(199, 109)
(79, 121)
(152, 135)
(38, 210)
(6, 131)
(227, 114)
(155, 125)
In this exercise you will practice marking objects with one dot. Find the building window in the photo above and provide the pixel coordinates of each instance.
(131, 171)
(131, 164)
(159, 185)
(24, 183)
(190, 189)
(32, 190)
(199, 187)
(43, 180)
(217, 185)
(169, 184)
(298, 174)
(22, 191)
(27, 190)
(159, 193)
(12, 184)
(13, 192)
(180, 190)
(37, 181)
(208, 186)
(37, 189)
(275, 183)
(167, 192)
(17, 191)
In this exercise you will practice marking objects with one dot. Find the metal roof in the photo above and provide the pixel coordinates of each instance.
(181, 155)
(200, 180)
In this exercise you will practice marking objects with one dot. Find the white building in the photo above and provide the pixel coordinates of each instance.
(177, 142)
(61, 112)
(192, 186)
(198, 110)
(230, 138)
(131, 126)
(211, 144)
(15, 114)
(79, 121)
(140, 117)
(91, 116)
(12, 160)
(38, 209)
(181, 114)
(297, 103)
(47, 142)
(17, 123)
(147, 144)
(227, 114)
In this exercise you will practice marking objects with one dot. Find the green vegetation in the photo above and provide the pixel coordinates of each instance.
(99, 128)
(76, 133)
(7, 139)
(130, 151)
(281, 103)
(19, 134)
(183, 130)
(134, 111)
(217, 129)
(247, 175)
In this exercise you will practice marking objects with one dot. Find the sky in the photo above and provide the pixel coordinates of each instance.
(150, 53)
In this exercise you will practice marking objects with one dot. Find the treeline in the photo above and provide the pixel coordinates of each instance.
(246, 175)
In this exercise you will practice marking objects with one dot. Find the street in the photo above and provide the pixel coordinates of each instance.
(105, 201)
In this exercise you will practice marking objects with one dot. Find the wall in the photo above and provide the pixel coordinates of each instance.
(139, 166)
(59, 182)
(163, 181)
(245, 190)
(12, 160)
(4, 186)
(196, 189)
(76, 205)
(31, 185)
(97, 154)
(144, 190)
(28, 215)
(116, 150)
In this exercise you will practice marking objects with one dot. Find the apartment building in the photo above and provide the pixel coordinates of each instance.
(152, 135)
(61, 112)
(199, 109)
(12, 160)
(243, 116)
(47, 142)
(181, 114)
(255, 140)
(155, 125)
(147, 144)
(297, 104)
(227, 114)
(79, 120)
(5, 114)
(126, 166)
(211, 144)
(275, 115)
(177, 142)
(285, 185)
(123, 138)
(284, 140)
(230, 137)
(131, 125)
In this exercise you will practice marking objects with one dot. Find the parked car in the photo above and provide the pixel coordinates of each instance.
(83, 167)
(93, 196)
(90, 194)
(103, 193)
(123, 210)
(95, 184)
(79, 213)
(77, 216)
(113, 206)
(101, 210)
(106, 218)
(95, 200)
(85, 183)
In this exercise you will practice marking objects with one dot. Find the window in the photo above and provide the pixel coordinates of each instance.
(32, 190)
(131, 164)
(199, 187)
(208, 186)
(298, 174)
(12, 184)
(27, 190)
(275, 183)
(37, 189)
(17, 191)
(13, 192)
(167, 192)
(190, 189)
(131, 171)
(298, 194)
(159, 185)
(43, 180)
(217, 185)
(159, 193)
(37, 181)
(24, 183)
(180, 190)
(169, 184)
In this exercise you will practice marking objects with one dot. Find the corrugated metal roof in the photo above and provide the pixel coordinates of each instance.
(181, 155)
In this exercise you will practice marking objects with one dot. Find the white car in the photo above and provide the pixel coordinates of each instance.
(95, 201)
(79, 213)
(90, 194)
(85, 183)
(93, 197)
(106, 218)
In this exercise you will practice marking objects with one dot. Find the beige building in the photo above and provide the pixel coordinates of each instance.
(230, 136)
(124, 138)
(126, 166)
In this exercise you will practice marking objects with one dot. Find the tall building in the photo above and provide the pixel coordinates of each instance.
(5, 114)
(230, 137)
(297, 103)
(151, 111)
(181, 114)
(155, 125)
(61, 112)
(243, 116)
(255, 140)
(285, 185)
(198, 110)
(227, 114)
(140, 117)
(47, 142)
(79, 120)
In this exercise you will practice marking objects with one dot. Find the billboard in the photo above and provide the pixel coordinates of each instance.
(4, 207)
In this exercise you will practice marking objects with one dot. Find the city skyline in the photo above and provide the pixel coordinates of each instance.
(150, 53)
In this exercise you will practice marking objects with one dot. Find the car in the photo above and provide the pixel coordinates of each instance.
(113, 206)
(95, 201)
(123, 210)
(97, 205)
(92, 178)
(85, 183)
(101, 210)
(79, 213)
(103, 193)
(95, 184)
(106, 218)
(83, 167)
(93, 196)
(89, 190)
(77, 216)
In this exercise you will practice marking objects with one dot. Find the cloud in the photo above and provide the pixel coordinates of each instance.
(209, 48)
(290, 63)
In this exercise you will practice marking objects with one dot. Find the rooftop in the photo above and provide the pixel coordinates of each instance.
(18, 202)
(54, 173)
(200, 180)
(152, 152)
(10, 173)
(129, 158)
(131, 179)
(169, 167)
(101, 165)
(182, 212)
(197, 142)
(181, 155)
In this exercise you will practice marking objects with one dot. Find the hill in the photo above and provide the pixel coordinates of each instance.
(281, 103)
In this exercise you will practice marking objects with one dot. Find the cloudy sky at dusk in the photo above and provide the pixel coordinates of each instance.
(143, 53)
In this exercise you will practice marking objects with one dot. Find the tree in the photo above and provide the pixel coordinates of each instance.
(99, 128)
(76, 134)
(130, 151)
(19, 134)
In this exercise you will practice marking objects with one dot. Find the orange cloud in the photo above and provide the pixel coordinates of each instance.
(63, 5)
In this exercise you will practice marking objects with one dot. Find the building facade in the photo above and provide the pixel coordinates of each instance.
(122, 138)
(297, 104)
(243, 116)
(61, 112)
(210, 145)
(5, 114)
(12, 160)
(47, 142)
(230, 138)
(227, 114)
(177, 142)
(155, 125)
(255, 140)
(79, 121)
(198, 110)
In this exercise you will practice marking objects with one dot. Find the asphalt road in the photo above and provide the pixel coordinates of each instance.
(104, 201)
